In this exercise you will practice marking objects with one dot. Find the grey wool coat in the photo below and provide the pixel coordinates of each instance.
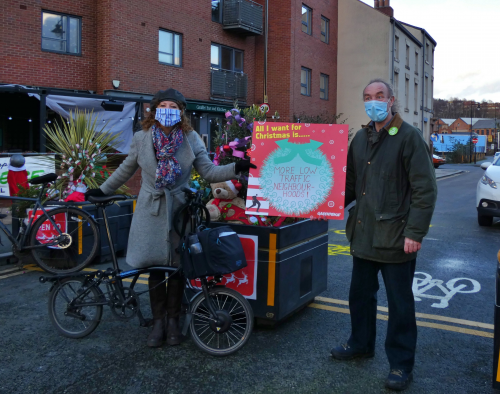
(150, 240)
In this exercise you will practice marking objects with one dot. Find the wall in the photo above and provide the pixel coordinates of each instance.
(428, 70)
(310, 52)
(21, 58)
(459, 125)
(363, 54)
(135, 47)
(410, 112)
(116, 45)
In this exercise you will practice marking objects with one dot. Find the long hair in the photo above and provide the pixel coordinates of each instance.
(150, 120)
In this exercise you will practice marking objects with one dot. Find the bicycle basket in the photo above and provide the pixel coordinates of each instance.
(221, 253)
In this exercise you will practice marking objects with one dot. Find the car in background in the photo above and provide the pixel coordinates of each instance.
(437, 161)
(488, 193)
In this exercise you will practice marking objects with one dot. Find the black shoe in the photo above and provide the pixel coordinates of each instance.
(174, 336)
(157, 335)
(344, 352)
(398, 380)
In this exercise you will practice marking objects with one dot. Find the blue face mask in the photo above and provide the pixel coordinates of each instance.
(376, 110)
(168, 116)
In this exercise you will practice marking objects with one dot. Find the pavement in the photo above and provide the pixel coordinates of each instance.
(454, 288)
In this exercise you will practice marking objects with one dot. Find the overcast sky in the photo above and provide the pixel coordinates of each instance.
(467, 32)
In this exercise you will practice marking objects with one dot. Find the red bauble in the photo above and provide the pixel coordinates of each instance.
(227, 148)
(238, 186)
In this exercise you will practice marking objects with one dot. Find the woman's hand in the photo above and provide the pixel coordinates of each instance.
(243, 166)
(94, 193)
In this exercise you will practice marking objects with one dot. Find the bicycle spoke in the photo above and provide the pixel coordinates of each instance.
(237, 304)
(212, 337)
(229, 332)
(202, 316)
(201, 333)
(229, 339)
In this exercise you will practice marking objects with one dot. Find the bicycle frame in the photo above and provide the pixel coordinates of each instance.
(113, 276)
(38, 204)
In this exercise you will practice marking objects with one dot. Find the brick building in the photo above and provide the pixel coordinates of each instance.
(127, 50)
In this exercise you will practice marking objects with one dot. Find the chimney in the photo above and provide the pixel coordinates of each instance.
(384, 7)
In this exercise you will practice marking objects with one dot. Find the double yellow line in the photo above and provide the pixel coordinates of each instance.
(34, 267)
(423, 323)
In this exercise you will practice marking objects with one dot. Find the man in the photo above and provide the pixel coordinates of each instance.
(391, 177)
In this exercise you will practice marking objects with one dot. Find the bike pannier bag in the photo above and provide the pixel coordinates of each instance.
(220, 253)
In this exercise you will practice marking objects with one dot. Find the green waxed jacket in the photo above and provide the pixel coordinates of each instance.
(392, 180)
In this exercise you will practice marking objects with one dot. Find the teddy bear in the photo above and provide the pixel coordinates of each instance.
(226, 205)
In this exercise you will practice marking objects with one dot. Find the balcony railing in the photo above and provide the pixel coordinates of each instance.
(243, 16)
(228, 85)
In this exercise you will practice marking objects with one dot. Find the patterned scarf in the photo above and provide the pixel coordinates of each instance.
(169, 169)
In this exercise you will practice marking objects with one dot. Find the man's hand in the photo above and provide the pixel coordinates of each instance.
(412, 246)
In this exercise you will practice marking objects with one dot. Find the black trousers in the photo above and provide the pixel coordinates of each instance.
(401, 337)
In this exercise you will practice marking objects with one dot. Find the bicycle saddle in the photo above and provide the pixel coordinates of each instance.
(106, 199)
(43, 179)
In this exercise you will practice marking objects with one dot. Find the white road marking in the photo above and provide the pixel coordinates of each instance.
(422, 285)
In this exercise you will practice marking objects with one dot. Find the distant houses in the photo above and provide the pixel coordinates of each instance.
(452, 131)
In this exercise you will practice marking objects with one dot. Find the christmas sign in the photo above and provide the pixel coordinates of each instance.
(244, 280)
(301, 170)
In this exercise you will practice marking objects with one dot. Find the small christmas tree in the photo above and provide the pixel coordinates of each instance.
(233, 143)
(233, 140)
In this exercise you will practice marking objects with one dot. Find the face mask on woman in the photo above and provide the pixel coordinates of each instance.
(377, 110)
(168, 116)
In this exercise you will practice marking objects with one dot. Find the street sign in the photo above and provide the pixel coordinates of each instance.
(475, 140)
(265, 108)
(434, 137)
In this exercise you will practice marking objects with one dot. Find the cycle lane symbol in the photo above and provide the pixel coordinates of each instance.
(423, 282)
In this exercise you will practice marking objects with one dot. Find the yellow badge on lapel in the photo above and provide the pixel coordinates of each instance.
(393, 131)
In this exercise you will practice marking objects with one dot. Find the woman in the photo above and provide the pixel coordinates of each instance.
(165, 150)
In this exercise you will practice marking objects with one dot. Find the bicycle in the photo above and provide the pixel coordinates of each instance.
(61, 240)
(219, 319)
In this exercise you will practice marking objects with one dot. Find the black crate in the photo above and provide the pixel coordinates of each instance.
(292, 266)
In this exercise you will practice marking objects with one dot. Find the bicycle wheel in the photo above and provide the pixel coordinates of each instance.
(236, 316)
(77, 320)
(77, 249)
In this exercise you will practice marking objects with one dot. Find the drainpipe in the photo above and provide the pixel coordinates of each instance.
(393, 50)
(265, 50)
(423, 84)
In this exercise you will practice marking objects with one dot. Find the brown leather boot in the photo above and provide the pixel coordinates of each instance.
(174, 335)
(157, 335)
(158, 299)
(175, 291)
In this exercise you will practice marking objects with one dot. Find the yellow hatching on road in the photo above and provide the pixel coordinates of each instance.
(335, 250)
